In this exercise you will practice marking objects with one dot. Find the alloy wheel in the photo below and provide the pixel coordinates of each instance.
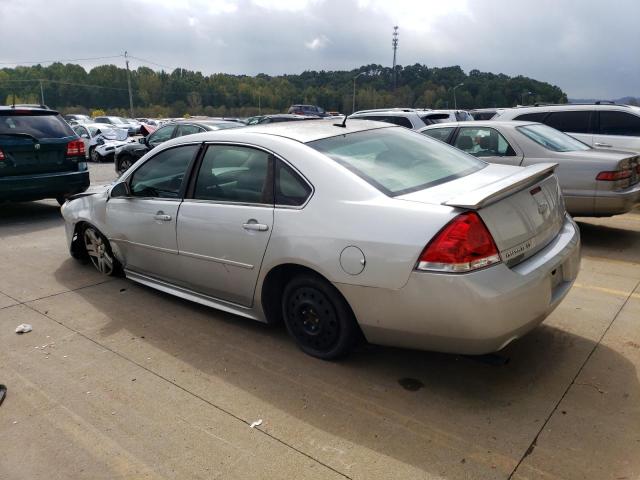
(98, 251)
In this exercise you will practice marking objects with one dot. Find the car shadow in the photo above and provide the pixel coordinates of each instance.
(451, 415)
(18, 217)
(618, 243)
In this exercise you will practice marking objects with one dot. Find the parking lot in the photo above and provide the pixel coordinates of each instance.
(117, 380)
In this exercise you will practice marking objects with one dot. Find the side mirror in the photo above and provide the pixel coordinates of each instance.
(120, 189)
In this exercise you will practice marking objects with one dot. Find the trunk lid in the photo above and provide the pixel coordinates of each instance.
(522, 207)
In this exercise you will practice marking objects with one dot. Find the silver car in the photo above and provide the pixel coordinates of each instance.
(594, 182)
(340, 231)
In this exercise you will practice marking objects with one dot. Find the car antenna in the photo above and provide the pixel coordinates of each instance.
(343, 124)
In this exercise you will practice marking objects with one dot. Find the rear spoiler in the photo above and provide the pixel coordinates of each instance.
(504, 187)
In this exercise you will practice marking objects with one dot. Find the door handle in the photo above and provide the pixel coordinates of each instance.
(256, 227)
(598, 144)
(162, 216)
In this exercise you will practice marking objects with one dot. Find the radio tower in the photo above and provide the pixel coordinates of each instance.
(394, 42)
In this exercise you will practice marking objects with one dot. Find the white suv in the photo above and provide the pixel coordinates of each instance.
(601, 125)
(413, 118)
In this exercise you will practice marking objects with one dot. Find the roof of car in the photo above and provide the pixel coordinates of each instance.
(35, 108)
(304, 131)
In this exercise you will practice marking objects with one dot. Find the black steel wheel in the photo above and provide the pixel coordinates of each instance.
(94, 155)
(318, 317)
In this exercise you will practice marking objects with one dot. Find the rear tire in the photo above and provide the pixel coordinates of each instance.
(93, 155)
(318, 317)
(99, 251)
(125, 163)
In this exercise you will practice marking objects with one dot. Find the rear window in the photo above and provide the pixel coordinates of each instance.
(37, 124)
(396, 160)
(552, 139)
(435, 118)
(570, 121)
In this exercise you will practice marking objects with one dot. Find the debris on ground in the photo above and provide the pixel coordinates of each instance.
(257, 423)
(3, 393)
(23, 328)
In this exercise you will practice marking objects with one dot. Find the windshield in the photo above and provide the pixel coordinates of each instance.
(396, 160)
(37, 125)
(553, 139)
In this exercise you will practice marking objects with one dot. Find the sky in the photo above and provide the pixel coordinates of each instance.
(589, 48)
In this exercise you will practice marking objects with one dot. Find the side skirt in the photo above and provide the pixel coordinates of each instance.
(193, 296)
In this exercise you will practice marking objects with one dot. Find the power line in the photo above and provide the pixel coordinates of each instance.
(152, 63)
(61, 60)
(62, 83)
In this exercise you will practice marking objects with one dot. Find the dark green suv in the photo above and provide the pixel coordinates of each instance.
(40, 156)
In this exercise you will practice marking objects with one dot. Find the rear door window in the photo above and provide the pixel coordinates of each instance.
(619, 123)
(38, 125)
(161, 135)
(571, 121)
(290, 188)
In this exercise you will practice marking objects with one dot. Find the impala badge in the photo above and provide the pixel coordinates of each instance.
(37, 146)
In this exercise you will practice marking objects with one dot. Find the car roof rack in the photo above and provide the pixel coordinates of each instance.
(598, 102)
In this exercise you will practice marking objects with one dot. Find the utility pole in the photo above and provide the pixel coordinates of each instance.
(126, 60)
(41, 94)
(394, 43)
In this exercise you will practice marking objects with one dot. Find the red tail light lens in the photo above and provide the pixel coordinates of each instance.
(75, 148)
(464, 245)
(1, 155)
(615, 175)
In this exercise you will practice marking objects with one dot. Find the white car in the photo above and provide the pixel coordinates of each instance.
(413, 118)
(600, 125)
(101, 141)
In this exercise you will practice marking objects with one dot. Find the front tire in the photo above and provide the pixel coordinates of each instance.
(318, 317)
(99, 252)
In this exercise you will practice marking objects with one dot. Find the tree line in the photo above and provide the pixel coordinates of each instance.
(70, 88)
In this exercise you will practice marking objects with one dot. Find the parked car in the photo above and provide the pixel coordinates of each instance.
(601, 125)
(594, 182)
(118, 122)
(40, 156)
(278, 118)
(313, 110)
(128, 154)
(101, 140)
(339, 231)
(76, 118)
(412, 118)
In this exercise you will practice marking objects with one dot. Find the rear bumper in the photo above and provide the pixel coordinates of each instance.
(473, 313)
(615, 203)
(46, 185)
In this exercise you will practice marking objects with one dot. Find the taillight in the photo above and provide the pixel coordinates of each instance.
(615, 175)
(464, 245)
(1, 155)
(75, 148)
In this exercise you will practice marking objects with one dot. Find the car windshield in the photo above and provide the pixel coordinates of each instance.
(116, 120)
(397, 160)
(552, 139)
(37, 125)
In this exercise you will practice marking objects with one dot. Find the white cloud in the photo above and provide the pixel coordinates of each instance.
(286, 5)
(317, 43)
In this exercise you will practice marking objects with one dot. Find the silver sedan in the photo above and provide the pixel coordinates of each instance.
(342, 232)
(594, 182)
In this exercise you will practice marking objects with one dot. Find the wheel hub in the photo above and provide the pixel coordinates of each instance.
(310, 321)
